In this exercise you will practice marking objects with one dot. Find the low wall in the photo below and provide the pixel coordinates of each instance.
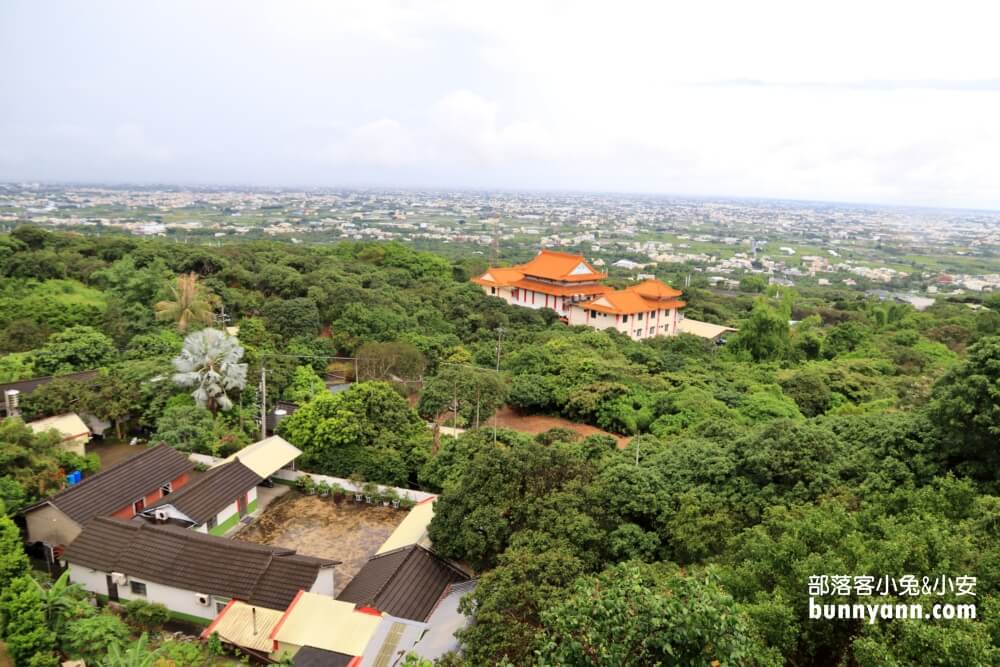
(292, 475)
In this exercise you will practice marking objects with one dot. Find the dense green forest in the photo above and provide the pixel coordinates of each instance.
(833, 435)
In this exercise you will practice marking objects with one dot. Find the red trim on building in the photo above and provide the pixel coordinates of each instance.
(287, 612)
(368, 610)
(427, 499)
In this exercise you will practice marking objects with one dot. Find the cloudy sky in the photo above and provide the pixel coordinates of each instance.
(860, 101)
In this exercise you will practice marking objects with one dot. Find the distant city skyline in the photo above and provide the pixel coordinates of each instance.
(888, 104)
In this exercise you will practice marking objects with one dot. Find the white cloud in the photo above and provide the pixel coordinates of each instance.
(889, 101)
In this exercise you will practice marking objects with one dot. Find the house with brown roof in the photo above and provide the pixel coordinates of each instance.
(214, 503)
(406, 582)
(121, 490)
(195, 575)
(12, 392)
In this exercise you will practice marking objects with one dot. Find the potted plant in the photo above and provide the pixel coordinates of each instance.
(324, 489)
(390, 497)
(407, 503)
(338, 493)
(306, 485)
(357, 480)
(370, 489)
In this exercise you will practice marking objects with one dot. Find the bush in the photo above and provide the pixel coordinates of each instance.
(149, 616)
(90, 638)
(180, 654)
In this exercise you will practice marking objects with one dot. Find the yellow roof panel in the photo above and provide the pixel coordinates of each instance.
(412, 529)
(69, 425)
(322, 622)
(703, 329)
(267, 456)
(237, 625)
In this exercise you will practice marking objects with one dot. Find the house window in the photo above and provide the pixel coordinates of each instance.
(639, 316)
(138, 505)
(138, 588)
(493, 290)
(652, 330)
(166, 489)
(220, 604)
(638, 333)
(624, 319)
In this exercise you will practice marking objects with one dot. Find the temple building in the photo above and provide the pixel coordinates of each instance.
(571, 286)
(648, 309)
(552, 279)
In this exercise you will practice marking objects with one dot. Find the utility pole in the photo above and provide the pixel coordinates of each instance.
(263, 402)
(636, 441)
(499, 338)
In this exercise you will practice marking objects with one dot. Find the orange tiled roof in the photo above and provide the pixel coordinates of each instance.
(496, 277)
(655, 289)
(562, 290)
(646, 296)
(553, 265)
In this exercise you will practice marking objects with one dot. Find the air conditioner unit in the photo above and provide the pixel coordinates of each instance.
(119, 578)
(161, 515)
(203, 599)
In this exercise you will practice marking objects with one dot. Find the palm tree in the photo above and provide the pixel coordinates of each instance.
(191, 303)
(209, 362)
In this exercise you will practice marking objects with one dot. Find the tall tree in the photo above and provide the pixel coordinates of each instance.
(966, 407)
(765, 334)
(637, 614)
(191, 304)
(470, 394)
(74, 349)
(210, 362)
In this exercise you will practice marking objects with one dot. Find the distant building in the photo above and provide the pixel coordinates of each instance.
(568, 284)
(552, 279)
(648, 309)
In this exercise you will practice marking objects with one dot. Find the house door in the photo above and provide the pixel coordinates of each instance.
(241, 504)
(112, 589)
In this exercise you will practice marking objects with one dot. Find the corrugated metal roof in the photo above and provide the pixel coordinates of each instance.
(189, 560)
(407, 582)
(322, 622)
(211, 493)
(120, 485)
(246, 625)
(267, 456)
(412, 530)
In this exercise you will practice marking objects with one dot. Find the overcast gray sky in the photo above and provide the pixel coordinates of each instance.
(895, 102)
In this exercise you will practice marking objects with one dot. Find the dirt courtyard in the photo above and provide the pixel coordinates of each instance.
(349, 532)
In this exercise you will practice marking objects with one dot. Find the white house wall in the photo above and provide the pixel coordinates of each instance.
(175, 599)
(324, 584)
